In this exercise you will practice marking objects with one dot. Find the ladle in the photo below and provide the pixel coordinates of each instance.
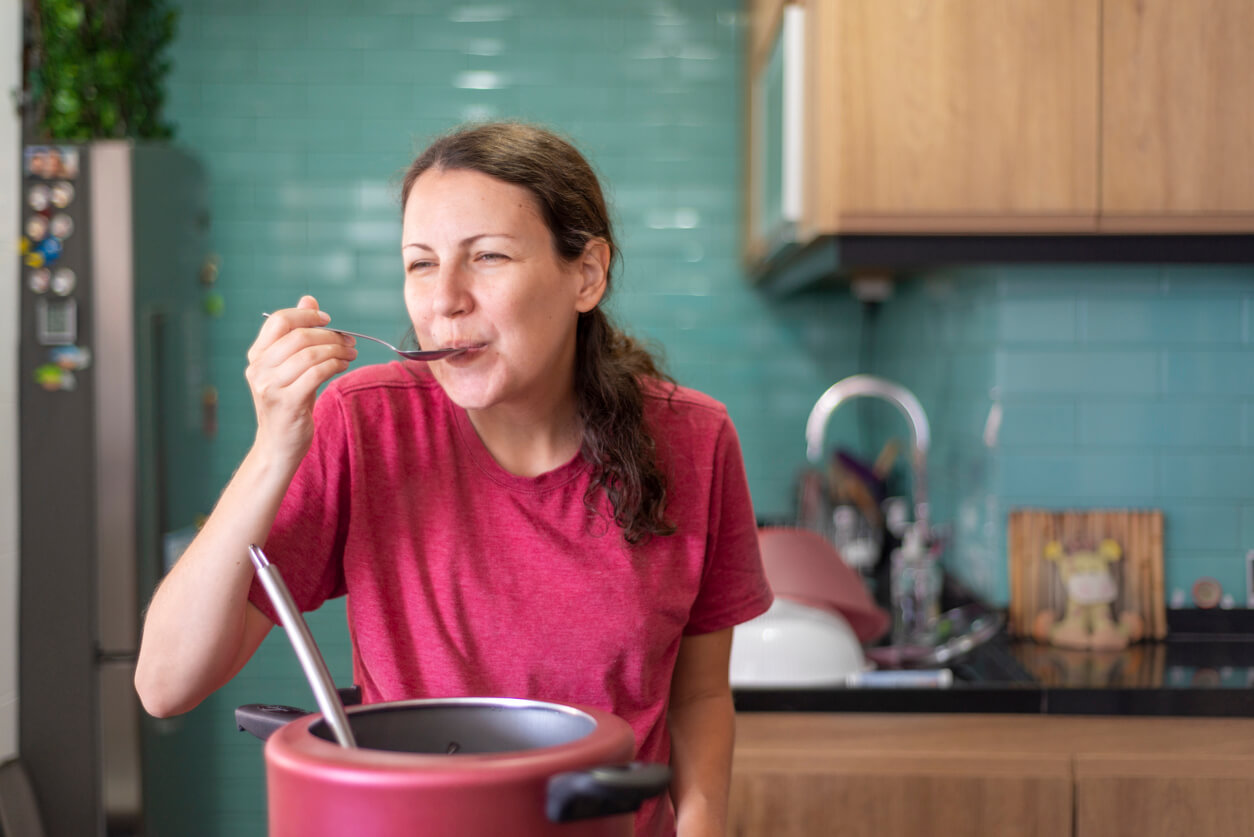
(306, 650)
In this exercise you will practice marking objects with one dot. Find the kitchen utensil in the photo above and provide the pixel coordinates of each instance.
(938, 678)
(408, 354)
(306, 650)
(803, 566)
(471, 767)
(957, 631)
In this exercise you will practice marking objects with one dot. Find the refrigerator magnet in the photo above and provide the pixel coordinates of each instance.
(38, 197)
(39, 280)
(50, 248)
(64, 281)
(53, 378)
(62, 225)
(70, 358)
(36, 227)
(62, 193)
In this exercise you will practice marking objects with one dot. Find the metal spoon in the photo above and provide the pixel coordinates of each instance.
(408, 354)
(306, 649)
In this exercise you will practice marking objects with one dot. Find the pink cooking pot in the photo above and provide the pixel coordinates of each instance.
(469, 767)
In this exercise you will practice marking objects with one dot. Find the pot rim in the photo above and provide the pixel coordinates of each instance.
(502, 702)
(611, 740)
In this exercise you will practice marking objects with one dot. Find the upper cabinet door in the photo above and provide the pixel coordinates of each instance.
(1178, 115)
(952, 115)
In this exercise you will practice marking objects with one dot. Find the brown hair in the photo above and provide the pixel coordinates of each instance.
(609, 365)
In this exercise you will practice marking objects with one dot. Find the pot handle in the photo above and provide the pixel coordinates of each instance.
(262, 719)
(604, 791)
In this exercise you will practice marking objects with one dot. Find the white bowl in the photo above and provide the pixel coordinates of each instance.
(794, 646)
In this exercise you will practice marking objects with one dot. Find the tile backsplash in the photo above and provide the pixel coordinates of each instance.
(1109, 387)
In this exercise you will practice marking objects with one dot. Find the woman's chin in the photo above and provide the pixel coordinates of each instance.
(468, 391)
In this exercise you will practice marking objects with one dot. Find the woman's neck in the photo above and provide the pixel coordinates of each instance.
(530, 442)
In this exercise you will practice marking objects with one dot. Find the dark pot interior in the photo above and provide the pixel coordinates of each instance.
(463, 729)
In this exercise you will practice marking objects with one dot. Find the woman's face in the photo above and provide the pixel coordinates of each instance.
(481, 272)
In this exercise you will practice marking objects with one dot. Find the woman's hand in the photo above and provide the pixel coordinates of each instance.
(287, 363)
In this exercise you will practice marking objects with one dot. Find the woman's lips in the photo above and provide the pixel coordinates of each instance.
(470, 351)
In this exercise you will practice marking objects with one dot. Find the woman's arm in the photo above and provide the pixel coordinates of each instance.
(702, 726)
(200, 629)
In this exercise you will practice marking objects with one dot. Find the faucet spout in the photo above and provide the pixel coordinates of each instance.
(870, 386)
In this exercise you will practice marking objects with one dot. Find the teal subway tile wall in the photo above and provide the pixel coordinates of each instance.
(1085, 387)
(306, 114)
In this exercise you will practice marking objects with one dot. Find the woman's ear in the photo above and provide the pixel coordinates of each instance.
(594, 271)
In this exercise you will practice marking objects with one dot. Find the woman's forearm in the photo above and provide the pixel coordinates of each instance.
(197, 631)
(702, 734)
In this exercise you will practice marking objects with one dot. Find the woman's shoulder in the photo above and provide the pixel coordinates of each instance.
(668, 403)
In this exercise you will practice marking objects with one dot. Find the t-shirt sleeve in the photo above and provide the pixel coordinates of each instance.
(734, 588)
(306, 542)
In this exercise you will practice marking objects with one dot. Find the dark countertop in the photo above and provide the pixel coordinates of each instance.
(1202, 669)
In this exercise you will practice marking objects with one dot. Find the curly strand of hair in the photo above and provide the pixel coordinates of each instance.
(615, 438)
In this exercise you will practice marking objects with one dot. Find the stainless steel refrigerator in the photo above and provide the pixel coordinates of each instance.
(116, 424)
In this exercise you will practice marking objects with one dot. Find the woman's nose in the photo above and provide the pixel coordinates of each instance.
(451, 295)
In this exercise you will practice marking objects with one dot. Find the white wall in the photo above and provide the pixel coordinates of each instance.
(10, 287)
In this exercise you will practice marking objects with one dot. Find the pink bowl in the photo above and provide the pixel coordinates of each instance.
(803, 566)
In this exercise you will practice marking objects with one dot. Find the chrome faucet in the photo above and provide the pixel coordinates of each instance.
(860, 386)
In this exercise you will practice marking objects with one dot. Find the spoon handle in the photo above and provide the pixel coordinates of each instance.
(363, 336)
(266, 314)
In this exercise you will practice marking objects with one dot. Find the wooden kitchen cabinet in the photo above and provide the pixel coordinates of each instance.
(1042, 776)
(1177, 121)
(986, 118)
(939, 117)
(1155, 796)
(954, 115)
(871, 775)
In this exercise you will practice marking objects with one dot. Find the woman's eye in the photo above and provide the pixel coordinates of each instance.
(492, 257)
(422, 264)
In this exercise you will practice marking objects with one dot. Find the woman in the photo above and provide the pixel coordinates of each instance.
(542, 516)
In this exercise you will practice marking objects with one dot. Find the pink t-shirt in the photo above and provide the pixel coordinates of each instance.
(464, 579)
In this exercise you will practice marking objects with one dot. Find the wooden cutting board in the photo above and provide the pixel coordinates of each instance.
(1034, 583)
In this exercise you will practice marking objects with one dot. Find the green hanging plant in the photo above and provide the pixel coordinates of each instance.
(95, 68)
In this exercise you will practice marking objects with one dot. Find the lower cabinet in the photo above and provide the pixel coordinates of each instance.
(876, 796)
(1124, 796)
(860, 775)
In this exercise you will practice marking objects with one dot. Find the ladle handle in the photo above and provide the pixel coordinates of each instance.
(306, 651)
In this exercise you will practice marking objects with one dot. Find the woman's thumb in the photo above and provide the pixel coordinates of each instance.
(307, 302)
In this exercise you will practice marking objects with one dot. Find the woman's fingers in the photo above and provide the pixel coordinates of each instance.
(286, 362)
(281, 323)
(315, 376)
(300, 340)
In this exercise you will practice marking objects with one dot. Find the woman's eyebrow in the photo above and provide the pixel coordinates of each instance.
(464, 242)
